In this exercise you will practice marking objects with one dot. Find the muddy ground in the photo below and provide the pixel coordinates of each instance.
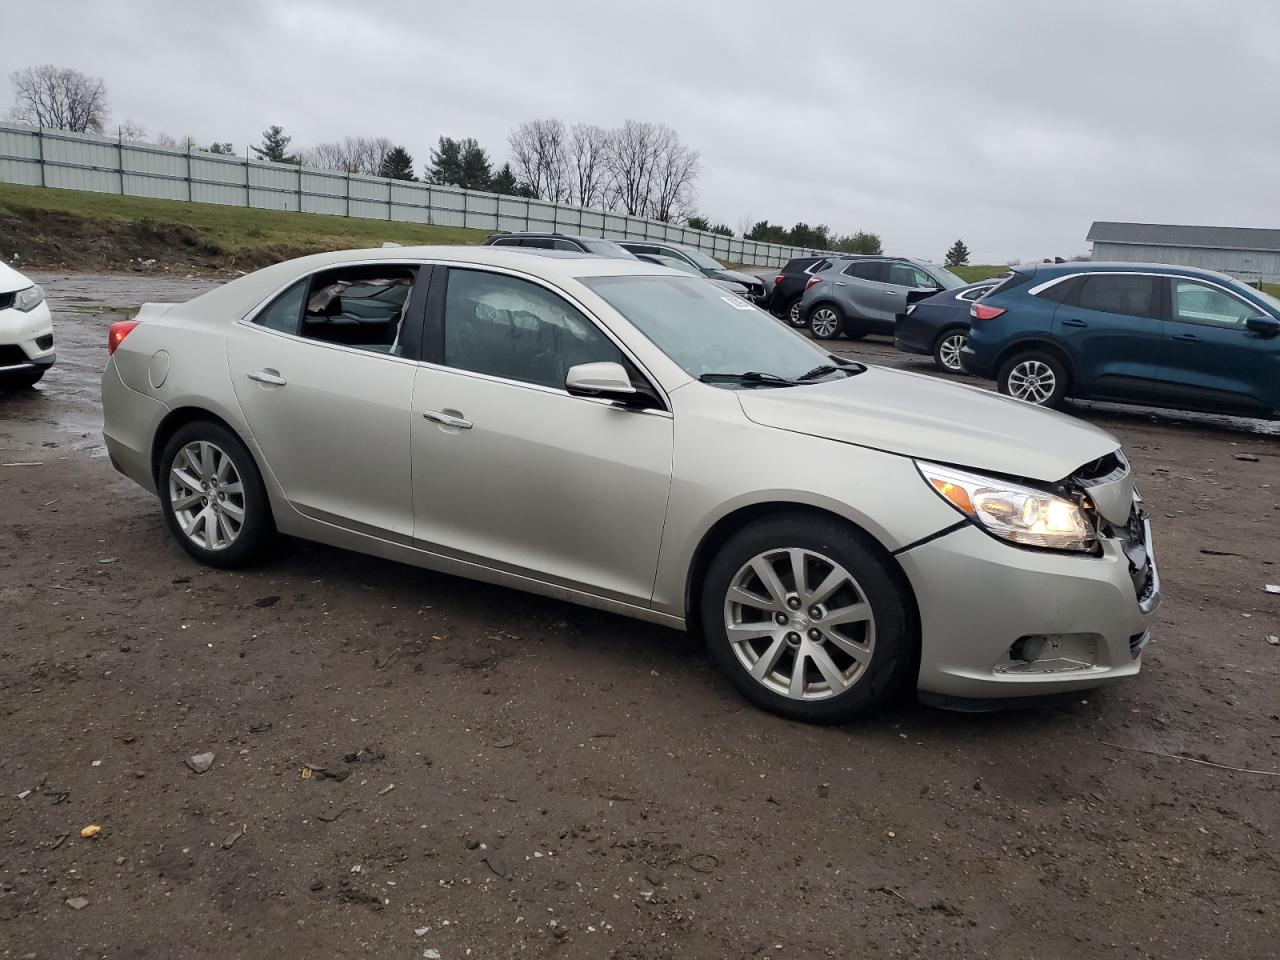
(497, 775)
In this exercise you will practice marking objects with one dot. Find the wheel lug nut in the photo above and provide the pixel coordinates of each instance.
(793, 603)
(780, 618)
(815, 635)
(793, 638)
(815, 613)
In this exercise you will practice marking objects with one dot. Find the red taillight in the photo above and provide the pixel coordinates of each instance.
(117, 333)
(779, 278)
(812, 281)
(980, 311)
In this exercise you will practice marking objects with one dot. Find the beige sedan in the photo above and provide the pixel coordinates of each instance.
(616, 434)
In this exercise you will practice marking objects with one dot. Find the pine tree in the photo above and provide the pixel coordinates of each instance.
(397, 165)
(446, 163)
(477, 172)
(275, 146)
(505, 182)
(958, 255)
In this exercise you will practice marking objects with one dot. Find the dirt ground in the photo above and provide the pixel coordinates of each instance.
(410, 765)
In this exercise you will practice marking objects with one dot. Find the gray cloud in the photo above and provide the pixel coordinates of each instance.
(1010, 124)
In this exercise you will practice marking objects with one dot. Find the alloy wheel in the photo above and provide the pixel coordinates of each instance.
(207, 495)
(949, 351)
(794, 313)
(799, 623)
(824, 322)
(1033, 381)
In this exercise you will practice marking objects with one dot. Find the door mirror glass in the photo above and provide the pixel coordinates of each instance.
(1263, 324)
(605, 379)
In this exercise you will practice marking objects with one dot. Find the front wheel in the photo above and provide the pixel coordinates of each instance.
(946, 350)
(826, 321)
(212, 496)
(1035, 377)
(806, 621)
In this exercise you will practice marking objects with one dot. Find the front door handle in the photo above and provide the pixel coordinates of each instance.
(841, 283)
(1186, 337)
(447, 419)
(268, 377)
(1074, 323)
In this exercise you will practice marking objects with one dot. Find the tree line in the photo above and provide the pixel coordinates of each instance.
(640, 168)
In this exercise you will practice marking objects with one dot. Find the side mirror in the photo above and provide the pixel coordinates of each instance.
(607, 380)
(1266, 325)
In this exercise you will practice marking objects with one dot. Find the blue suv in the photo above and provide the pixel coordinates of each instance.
(1152, 334)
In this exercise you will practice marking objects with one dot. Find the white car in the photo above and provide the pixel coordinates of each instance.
(620, 435)
(26, 330)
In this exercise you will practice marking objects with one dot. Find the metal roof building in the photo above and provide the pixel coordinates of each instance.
(1246, 253)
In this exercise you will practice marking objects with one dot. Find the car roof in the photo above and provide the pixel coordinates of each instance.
(1047, 270)
(535, 235)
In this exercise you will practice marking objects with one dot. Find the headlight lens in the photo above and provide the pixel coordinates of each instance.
(29, 299)
(1022, 515)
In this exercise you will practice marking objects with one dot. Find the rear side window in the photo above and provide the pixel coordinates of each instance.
(1011, 282)
(1061, 291)
(866, 271)
(362, 307)
(506, 242)
(284, 313)
(1129, 294)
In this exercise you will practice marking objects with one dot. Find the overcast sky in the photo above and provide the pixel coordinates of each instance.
(1012, 125)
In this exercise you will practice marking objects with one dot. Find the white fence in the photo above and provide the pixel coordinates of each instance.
(82, 161)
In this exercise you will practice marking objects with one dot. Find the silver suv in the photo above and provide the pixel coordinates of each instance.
(855, 296)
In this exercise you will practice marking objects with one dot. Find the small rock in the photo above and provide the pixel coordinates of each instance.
(1272, 588)
(494, 864)
(1246, 457)
(260, 727)
(266, 601)
(473, 844)
(387, 789)
(200, 762)
(505, 742)
(431, 954)
(230, 841)
(824, 789)
(24, 794)
(421, 931)
(1274, 641)
(316, 886)
(77, 903)
(356, 869)
(92, 830)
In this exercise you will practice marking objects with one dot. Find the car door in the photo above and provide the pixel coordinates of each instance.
(1109, 324)
(860, 290)
(324, 377)
(1209, 358)
(510, 470)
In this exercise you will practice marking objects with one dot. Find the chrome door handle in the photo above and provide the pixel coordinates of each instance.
(1074, 323)
(262, 376)
(447, 419)
(841, 283)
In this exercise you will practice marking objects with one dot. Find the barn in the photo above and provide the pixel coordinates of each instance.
(1247, 253)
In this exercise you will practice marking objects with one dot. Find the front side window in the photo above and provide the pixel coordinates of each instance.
(1129, 294)
(705, 329)
(907, 275)
(362, 307)
(506, 327)
(1200, 303)
(700, 259)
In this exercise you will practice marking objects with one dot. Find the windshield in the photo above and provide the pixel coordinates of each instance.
(945, 277)
(707, 330)
(607, 248)
(701, 259)
(1268, 299)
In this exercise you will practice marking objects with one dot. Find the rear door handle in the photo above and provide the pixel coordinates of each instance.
(1186, 337)
(267, 376)
(447, 419)
(1074, 323)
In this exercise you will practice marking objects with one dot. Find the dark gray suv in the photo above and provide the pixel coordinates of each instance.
(855, 296)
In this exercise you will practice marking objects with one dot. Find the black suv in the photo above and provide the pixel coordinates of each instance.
(560, 241)
(788, 287)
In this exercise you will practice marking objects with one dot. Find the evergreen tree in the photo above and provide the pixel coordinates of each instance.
(958, 255)
(505, 182)
(221, 146)
(397, 165)
(446, 163)
(275, 146)
(477, 172)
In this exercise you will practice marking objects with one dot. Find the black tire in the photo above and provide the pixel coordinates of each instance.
(892, 654)
(21, 381)
(258, 527)
(830, 320)
(1022, 376)
(942, 352)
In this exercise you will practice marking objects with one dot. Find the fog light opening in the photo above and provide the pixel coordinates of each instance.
(1051, 653)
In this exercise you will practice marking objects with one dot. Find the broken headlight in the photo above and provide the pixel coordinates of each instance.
(1010, 511)
(29, 298)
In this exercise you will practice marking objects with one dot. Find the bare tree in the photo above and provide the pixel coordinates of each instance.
(350, 154)
(540, 154)
(631, 155)
(675, 168)
(131, 131)
(588, 164)
(50, 96)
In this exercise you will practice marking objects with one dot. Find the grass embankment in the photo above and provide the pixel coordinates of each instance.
(70, 229)
(972, 273)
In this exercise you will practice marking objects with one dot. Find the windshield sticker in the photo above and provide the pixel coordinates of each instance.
(737, 303)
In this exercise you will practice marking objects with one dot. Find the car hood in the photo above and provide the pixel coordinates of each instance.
(929, 419)
(744, 278)
(11, 279)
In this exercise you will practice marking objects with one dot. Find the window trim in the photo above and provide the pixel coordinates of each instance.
(425, 274)
(1172, 294)
(1166, 315)
(433, 336)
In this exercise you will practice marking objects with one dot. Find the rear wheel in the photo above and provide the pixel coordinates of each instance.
(793, 313)
(806, 621)
(1034, 376)
(212, 495)
(946, 350)
(826, 321)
